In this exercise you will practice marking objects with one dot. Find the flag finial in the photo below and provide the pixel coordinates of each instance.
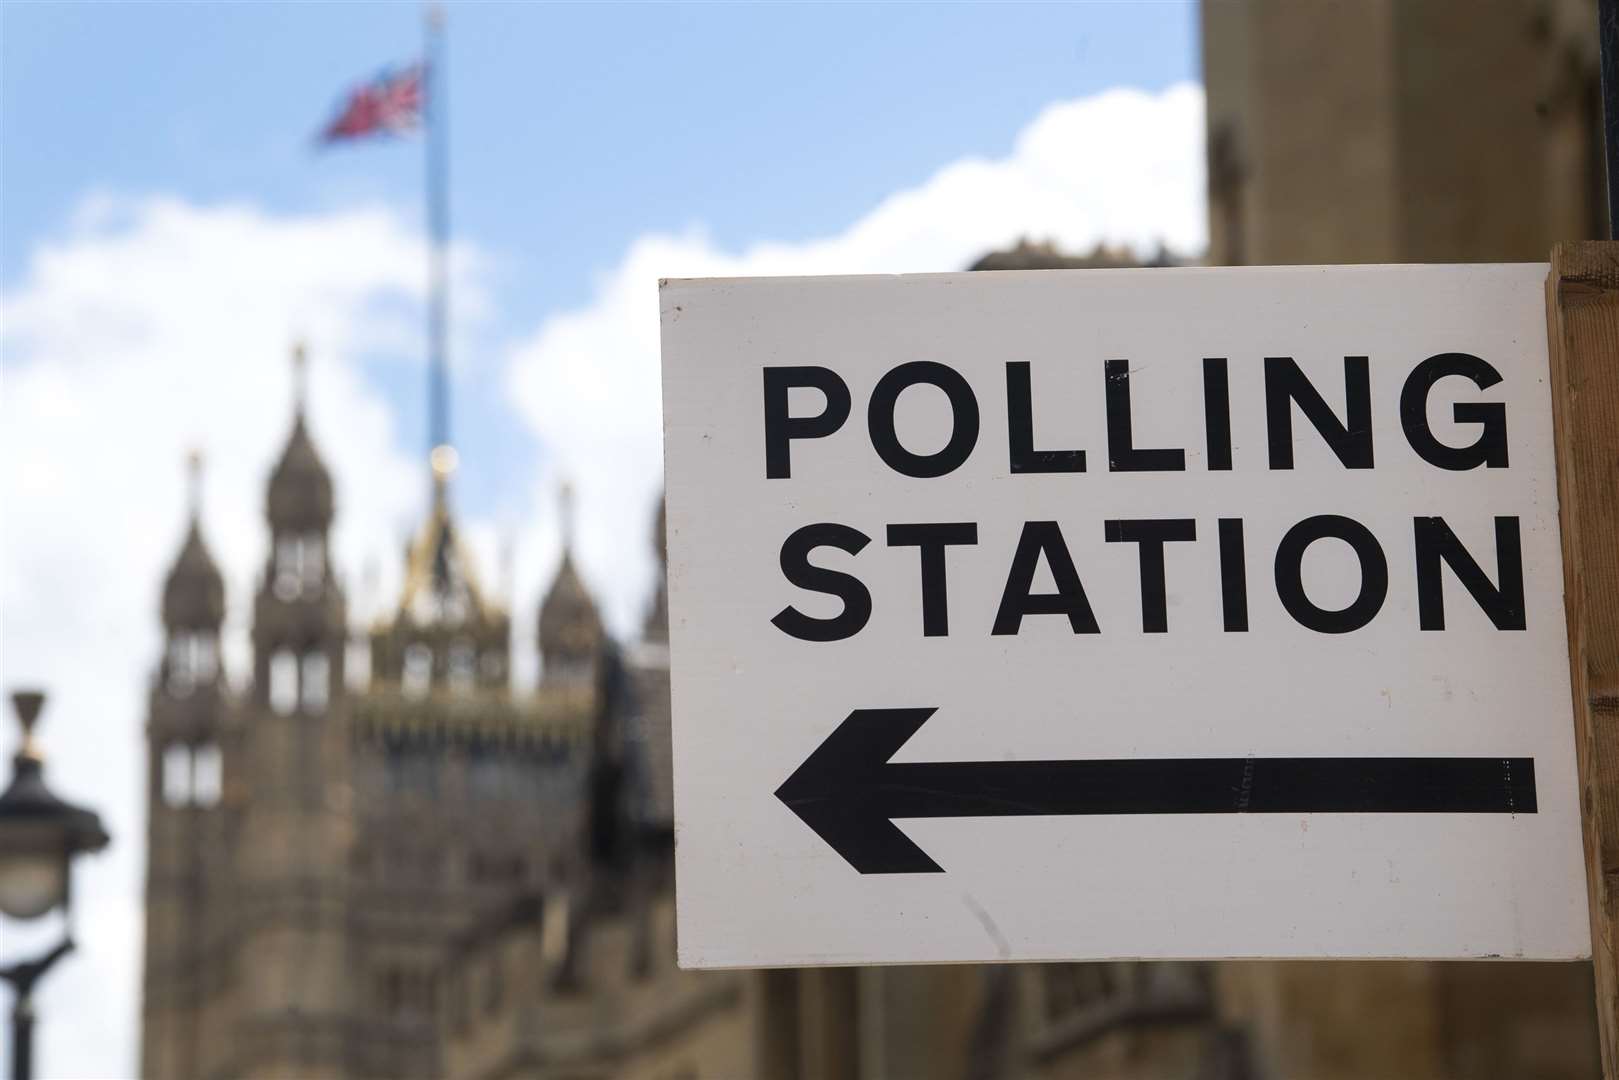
(443, 459)
(194, 463)
(300, 375)
(565, 499)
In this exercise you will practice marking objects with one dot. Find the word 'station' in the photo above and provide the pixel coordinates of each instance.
(1117, 614)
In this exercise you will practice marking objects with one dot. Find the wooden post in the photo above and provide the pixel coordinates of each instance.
(1582, 323)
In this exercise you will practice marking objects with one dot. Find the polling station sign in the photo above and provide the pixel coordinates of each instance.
(1113, 614)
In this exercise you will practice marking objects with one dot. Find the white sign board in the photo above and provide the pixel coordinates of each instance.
(1109, 614)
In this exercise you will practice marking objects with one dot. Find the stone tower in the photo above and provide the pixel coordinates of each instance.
(322, 839)
(570, 631)
(189, 728)
(295, 827)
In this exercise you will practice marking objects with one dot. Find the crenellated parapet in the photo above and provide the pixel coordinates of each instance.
(560, 716)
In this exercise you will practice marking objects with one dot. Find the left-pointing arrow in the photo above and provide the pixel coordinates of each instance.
(849, 792)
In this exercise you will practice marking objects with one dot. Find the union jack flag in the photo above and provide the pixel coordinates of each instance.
(391, 103)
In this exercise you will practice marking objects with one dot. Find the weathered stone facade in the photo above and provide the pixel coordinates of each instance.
(319, 843)
(1354, 131)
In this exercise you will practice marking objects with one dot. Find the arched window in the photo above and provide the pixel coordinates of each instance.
(193, 660)
(289, 574)
(182, 678)
(313, 564)
(207, 775)
(176, 778)
(205, 653)
(316, 684)
(283, 682)
(417, 675)
(300, 565)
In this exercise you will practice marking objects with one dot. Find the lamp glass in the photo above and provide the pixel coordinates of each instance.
(31, 883)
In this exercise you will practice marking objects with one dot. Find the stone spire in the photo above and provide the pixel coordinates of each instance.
(299, 614)
(570, 628)
(447, 633)
(300, 493)
(441, 584)
(194, 594)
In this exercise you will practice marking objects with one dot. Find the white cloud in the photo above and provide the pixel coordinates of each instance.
(1121, 168)
(155, 326)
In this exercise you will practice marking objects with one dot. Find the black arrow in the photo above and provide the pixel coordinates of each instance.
(848, 790)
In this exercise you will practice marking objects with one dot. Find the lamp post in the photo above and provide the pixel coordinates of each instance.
(39, 836)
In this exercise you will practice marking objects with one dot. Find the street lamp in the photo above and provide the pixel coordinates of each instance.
(39, 836)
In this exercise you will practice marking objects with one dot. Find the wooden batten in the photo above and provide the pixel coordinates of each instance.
(1582, 319)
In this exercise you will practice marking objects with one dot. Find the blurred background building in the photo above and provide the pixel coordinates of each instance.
(321, 847)
(1380, 131)
(381, 861)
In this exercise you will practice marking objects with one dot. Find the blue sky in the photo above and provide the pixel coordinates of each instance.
(575, 127)
(784, 120)
(167, 230)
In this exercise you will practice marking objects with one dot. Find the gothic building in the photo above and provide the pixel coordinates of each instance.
(321, 844)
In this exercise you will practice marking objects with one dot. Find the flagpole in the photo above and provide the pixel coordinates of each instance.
(436, 121)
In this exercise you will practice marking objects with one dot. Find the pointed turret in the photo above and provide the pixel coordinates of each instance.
(569, 625)
(292, 841)
(299, 617)
(570, 628)
(441, 585)
(300, 494)
(194, 593)
(188, 730)
(193, 608)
